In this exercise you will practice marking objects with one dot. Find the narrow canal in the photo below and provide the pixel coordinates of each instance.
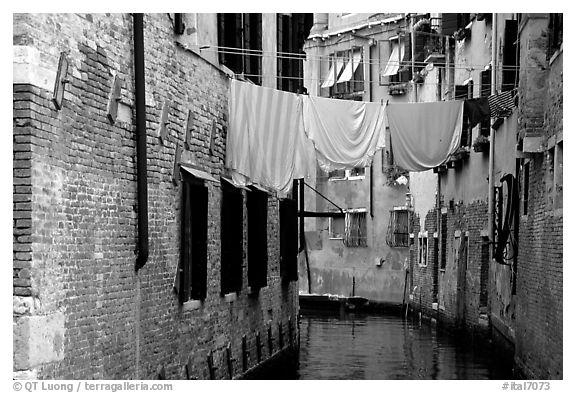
(358, 346)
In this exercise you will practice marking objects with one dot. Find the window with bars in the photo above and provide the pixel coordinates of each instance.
(397, 234)
(257, 206)
(356, 235)
(192, 270)
(232, 228)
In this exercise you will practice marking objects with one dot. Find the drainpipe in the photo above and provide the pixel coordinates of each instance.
(491, 155)
(141, 169)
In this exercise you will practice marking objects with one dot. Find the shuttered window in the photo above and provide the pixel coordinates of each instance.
(232, 228)
(289, 240)
(191, 276)
(257, 205)
(356, 235)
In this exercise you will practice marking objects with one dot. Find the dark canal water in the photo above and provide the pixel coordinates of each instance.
(387, 347)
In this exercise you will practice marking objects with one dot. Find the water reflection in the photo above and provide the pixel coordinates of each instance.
(388, 347)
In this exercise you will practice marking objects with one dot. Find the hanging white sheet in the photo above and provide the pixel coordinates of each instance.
(266, 143)
(346, 134)
(424, 135)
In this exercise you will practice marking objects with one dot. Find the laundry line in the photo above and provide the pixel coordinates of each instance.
(275, 137)
(308, 57)
(504, 85)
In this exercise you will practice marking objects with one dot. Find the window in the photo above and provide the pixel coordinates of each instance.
(191, 275)
(397, 235)
(347, 174)
(345, 75)
(485, 91)
(237, 32)
(288, 240)
(339, 174)
(232, 229)
(357, 172)
(337, 227)
(423, 249)
(443, 239)
(257, 206)
(456, 246)
(555, 33)
(525, 187)
(558, 170)
(453, 22)
(355, 228)
(464, 92)
(510, 56)
(293, 29)
(397, 69)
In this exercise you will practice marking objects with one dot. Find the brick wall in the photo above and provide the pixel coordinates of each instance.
(81, 310)
(539, 328)
(462, 219)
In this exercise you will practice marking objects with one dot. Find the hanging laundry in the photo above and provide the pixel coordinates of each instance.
(477, 109)
(346, 134)
(266, 144)
(424, 134)
(501, 105)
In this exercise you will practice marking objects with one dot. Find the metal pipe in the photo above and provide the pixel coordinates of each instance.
(141, 167)
(491, 155)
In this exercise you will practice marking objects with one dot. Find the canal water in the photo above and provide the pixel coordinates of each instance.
(353, 346)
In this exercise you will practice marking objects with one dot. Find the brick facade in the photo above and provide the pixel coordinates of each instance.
(449, 286)
(80, 309)
(539, 327)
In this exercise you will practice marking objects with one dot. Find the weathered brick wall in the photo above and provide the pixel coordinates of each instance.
(539, 328)
(88, 313)
(423, 276)
(471, 219)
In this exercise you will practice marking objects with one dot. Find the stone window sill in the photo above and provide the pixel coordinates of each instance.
(230, 297)
(192, 305)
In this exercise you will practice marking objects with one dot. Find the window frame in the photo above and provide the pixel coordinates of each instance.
(331, 228)
(231, 239)
(423, 255)
(192, 273)
(257, 217)
(347, 236)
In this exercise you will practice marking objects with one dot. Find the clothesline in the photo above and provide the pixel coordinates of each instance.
(370, 81)
(303, 56)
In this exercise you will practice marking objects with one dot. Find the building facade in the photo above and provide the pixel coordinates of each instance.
(486, 247)
(125, 266)
(360, 253)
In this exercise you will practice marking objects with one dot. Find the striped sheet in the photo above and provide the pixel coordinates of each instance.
(266, 143)
(501, 105)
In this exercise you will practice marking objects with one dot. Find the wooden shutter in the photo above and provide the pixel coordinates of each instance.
(185, 245)
(199, 231)
(257, 205)
(232, 228)
(289, 240)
